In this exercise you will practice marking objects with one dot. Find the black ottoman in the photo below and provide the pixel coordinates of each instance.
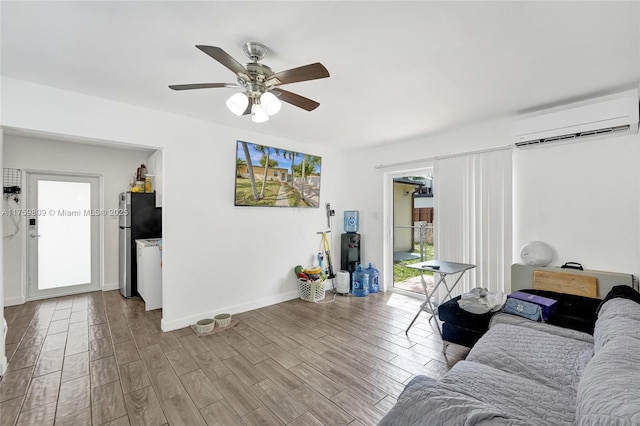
(574, 312)
(459, 326)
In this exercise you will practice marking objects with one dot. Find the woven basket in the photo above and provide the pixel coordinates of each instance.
(311, 291)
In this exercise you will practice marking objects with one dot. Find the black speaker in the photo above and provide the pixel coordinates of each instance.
(350, 254)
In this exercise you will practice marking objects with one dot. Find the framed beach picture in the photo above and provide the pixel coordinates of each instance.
(276, 177)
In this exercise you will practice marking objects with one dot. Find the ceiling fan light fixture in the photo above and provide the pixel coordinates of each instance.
(258, 114)
(238, 103)
(258, 83)
(270, 103)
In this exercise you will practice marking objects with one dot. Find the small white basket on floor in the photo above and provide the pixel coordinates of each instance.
(311, 291)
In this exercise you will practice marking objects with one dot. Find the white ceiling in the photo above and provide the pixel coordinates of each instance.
(398, 69)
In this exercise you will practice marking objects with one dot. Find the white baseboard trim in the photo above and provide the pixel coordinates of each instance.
(244, 307)
(3, 365)
(110, 286)
(11, 301)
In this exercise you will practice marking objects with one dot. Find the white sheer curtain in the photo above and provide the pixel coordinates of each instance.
(473, 218)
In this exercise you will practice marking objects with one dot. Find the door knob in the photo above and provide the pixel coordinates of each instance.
(34, 235)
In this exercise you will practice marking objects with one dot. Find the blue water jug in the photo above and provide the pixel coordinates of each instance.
(360, 282)
(351, 221)
(373, 273)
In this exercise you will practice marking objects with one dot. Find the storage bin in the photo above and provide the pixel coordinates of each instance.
(312, 291)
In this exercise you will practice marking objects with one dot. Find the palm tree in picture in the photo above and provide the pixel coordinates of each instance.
(252, 178)
(291, 155)
(302, 166)
(267, 164)
(266, 151)
(308, 166)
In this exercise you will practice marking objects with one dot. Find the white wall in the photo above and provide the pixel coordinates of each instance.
(216, 257)
(581, 199)
(154, 167)
(116, 167)
(3, 356)
(403, 216)
(599, 229)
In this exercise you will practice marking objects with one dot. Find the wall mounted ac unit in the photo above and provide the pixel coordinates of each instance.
(616, 116)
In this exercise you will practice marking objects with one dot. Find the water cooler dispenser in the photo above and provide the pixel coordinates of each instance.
(350, 244)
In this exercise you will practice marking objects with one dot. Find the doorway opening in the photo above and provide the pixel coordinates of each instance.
(63, 234)
(413, 236)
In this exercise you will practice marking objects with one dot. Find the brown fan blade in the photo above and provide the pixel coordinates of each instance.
(297, 100)
(294, 75)
(201, 86)
(225, 59)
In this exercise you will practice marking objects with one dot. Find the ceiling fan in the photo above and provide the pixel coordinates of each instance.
(261, 93)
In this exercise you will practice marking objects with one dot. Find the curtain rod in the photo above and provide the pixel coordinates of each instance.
(443, 157)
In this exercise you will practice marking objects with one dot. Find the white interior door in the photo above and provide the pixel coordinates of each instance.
(63, 234)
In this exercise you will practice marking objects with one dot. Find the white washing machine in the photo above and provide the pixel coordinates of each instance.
(150, 272)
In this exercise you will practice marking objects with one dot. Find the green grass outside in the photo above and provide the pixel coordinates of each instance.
(294, 197)
(244, 195)
(402, 273)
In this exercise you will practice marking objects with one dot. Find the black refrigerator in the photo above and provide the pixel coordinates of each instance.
(140, 219)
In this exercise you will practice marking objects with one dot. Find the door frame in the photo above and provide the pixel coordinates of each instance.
(97, 260)
(387, 237)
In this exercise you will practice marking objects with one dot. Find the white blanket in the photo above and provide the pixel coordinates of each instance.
(481, 301)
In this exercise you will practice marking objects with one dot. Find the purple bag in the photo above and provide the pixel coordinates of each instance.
(524, 309)
(547, 305)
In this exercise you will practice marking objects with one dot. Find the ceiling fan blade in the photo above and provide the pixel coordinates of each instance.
(297, 100)
(294, 75)
(201, 86)
(225, 59)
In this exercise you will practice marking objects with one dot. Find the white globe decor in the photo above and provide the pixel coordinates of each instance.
(536, 253)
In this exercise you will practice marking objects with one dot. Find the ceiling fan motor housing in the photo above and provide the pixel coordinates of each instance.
(254, 50)
(258, 74)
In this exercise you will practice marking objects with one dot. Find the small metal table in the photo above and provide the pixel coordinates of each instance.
(443, 269)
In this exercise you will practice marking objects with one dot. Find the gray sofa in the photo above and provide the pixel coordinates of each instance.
(526, 373)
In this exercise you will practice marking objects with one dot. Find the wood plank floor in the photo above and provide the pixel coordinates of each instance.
(98, 358)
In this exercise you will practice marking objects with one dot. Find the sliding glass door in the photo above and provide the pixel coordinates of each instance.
(412, 226)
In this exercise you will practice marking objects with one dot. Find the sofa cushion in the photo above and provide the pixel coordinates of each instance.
(545, 353)
(620, 291)
(477, 394)
(608, 392)
(617, 318)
